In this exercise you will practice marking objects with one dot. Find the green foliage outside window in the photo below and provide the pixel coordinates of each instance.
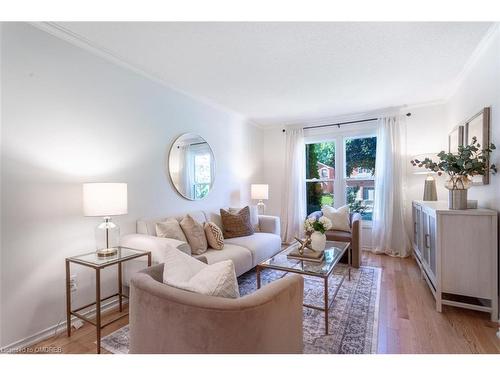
(360, 153)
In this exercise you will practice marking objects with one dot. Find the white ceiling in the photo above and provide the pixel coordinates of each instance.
(281, 73)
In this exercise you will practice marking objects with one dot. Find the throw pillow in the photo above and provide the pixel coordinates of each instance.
(254, 216)
(195, 235)
(236, 224)
(338, 217)
(170, 229)
(184, 272)
(215, 237)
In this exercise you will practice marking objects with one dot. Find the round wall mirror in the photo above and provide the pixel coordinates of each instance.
(191, 166)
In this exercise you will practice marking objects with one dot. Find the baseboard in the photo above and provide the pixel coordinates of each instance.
(52, 330)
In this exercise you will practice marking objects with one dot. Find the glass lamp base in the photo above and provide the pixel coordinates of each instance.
(107, 236)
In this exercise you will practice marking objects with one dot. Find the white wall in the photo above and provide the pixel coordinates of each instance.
(68, 117)
(480, 87)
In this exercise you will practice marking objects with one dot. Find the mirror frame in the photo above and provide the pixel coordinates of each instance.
(167, 167)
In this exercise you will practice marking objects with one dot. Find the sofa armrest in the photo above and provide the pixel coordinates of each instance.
(269, 224)
(156, 245)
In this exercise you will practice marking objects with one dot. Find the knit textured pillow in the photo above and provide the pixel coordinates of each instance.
(236, 224)
(215, 238)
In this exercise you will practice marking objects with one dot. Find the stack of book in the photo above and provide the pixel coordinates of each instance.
(307, 255)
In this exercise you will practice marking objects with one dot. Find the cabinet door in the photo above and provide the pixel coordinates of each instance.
(432, 244)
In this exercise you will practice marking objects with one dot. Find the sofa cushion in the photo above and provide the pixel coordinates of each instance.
(241, 257)
(148, 226)
(338, 235)
(261, 245)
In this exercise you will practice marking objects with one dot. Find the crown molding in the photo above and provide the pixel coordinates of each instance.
(483, 45)
(79, 41)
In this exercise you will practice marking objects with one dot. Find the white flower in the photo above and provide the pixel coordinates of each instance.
(327, 223)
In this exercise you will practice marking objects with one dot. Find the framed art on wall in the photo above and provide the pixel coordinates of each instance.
(479, 126)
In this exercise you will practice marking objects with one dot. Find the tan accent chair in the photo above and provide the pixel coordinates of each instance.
(354, 236)
(164, 319)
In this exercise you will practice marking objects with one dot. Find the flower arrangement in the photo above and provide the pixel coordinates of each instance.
(471, 160)
(317, 225)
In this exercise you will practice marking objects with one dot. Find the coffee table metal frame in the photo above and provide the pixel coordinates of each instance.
(98, 265)
(342, 246)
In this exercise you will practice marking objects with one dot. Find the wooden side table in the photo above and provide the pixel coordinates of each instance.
(97, 263)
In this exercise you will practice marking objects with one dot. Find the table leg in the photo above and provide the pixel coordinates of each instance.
(257, 270)
(349, 261)
(68, 299)
(149, 260)
(120, 286)
(98, 308)
(326, 305)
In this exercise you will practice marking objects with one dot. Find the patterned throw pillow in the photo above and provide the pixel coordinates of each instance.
(236, 224)
(195, 235)
(215, 238)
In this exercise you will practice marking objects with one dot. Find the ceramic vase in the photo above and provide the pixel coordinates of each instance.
(457, 195)
(318, 241)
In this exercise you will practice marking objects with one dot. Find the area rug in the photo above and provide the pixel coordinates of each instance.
(353, 317)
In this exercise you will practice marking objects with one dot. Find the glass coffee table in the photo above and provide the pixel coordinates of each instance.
(333, 253)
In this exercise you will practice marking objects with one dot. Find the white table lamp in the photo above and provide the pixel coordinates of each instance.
(105, 200)
(260, 192)
(430, 192)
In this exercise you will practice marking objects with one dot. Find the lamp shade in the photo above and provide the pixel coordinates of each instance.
(421, 170)
(104, 199)
(259, 191)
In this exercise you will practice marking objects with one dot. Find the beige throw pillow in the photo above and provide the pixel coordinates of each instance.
(236, 224)
(215, 237)
(170, 229)
(195, 235)
(184, 272)
(254, 216)
(338, 217)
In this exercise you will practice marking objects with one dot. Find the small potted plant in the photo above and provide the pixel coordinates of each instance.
(470, 161)
(316, 228)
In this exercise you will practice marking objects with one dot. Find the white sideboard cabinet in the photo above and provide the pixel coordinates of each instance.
(457, 253)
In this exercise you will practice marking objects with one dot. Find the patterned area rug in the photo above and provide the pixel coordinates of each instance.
(353, 317)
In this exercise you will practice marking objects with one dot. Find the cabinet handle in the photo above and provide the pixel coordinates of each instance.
(427, 238)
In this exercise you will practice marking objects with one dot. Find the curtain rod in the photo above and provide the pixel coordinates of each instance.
(343, 123)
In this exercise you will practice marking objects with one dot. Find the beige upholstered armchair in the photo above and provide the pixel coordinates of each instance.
(164, 319)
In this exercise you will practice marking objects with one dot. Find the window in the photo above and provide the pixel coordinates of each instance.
(320, 175)
(202, 175)
(342, 175)
(360, 171)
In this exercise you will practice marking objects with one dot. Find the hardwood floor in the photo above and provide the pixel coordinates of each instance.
(408, 320)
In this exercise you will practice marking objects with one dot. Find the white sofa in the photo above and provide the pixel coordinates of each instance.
(246, 252)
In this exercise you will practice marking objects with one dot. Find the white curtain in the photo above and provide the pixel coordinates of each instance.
(388, 228)
(293, 207)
